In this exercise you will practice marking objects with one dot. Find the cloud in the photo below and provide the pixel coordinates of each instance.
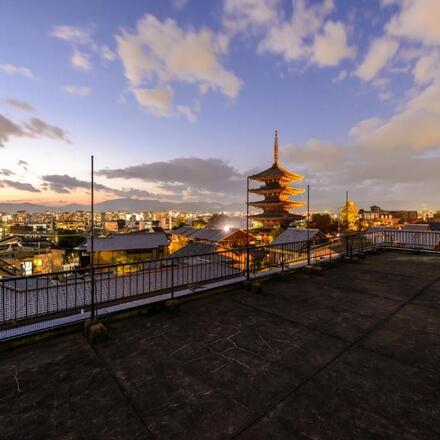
(242, 15)
(342, 75)
(17, 70)
(380, 52)
(160, 53)
(417, 21)
(21, 105)
(414, 126)
(78, 90)
(158, 101)
(73, 34)
(80, 60)
(18, 185)
(179, 4)
(65, 184)
(308, 36)
(187, 112)
(365, 127)
(330, 47)
(8, 129)
(107, 54)
(213, 175)
(315, 153)
(385, 157)
(5, 172)
(84, 49)
(35, 127)
(427, 68)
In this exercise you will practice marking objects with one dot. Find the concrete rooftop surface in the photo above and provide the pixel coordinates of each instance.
(352, 352)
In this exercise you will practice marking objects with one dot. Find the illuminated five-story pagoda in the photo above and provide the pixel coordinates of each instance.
(276, 191)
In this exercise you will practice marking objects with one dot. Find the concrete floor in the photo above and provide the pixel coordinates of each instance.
(353, 352)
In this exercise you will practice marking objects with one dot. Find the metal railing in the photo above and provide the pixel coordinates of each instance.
(59, 298)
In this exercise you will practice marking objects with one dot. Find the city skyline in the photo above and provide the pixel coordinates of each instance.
(178, 100)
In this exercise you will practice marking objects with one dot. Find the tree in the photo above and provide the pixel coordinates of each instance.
(179, 221)
(323, 222)
(69, 239)
(348, 216)
(199, 223)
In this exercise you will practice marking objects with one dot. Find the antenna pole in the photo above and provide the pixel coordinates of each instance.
(247, 228)
(307, 224)
(347, 225)
(92, 238)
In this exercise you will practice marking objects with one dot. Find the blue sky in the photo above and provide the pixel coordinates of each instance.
(178, 99)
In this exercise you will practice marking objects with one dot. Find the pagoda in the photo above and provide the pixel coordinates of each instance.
(276, 189)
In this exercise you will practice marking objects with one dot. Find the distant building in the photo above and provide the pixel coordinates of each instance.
(111, 226)
(405, 216)
(71, 225)
(125, 248)
(166, 221)
(20, 256)
(379, 217)
(276, 190)
(227, 238)
(180, 237)
(376, 217)
(302, 236)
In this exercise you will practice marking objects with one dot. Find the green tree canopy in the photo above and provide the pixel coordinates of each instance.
(324, 222)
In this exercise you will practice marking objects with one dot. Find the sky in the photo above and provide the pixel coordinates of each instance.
(178, 99)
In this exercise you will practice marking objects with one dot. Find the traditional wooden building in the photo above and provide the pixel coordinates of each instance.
(125, 248)
(28, 256)
(229, 238)
(276, 190)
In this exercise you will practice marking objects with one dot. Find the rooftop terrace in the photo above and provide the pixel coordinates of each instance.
(351, 351)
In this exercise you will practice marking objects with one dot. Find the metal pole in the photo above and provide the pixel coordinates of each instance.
(247, 228)
(347, 225)
(92, 240)
(307, 224)
(172, 278)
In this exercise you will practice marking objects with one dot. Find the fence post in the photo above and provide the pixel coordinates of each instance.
(282, 258)
(172, 278)
(247, 263)
(3, 302)
(308, 252)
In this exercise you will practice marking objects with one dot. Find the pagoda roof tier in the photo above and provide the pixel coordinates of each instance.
(276, 172)
(276, 216)
(287, 204)
(288, 190)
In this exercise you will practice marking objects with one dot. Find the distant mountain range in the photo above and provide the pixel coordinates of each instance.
(126, 204)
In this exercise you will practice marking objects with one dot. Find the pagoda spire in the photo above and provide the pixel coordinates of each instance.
(276, 190)
(275, 149)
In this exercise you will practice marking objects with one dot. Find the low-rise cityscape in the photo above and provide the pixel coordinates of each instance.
(44, 242)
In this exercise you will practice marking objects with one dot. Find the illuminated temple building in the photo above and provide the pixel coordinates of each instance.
(276, 189)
